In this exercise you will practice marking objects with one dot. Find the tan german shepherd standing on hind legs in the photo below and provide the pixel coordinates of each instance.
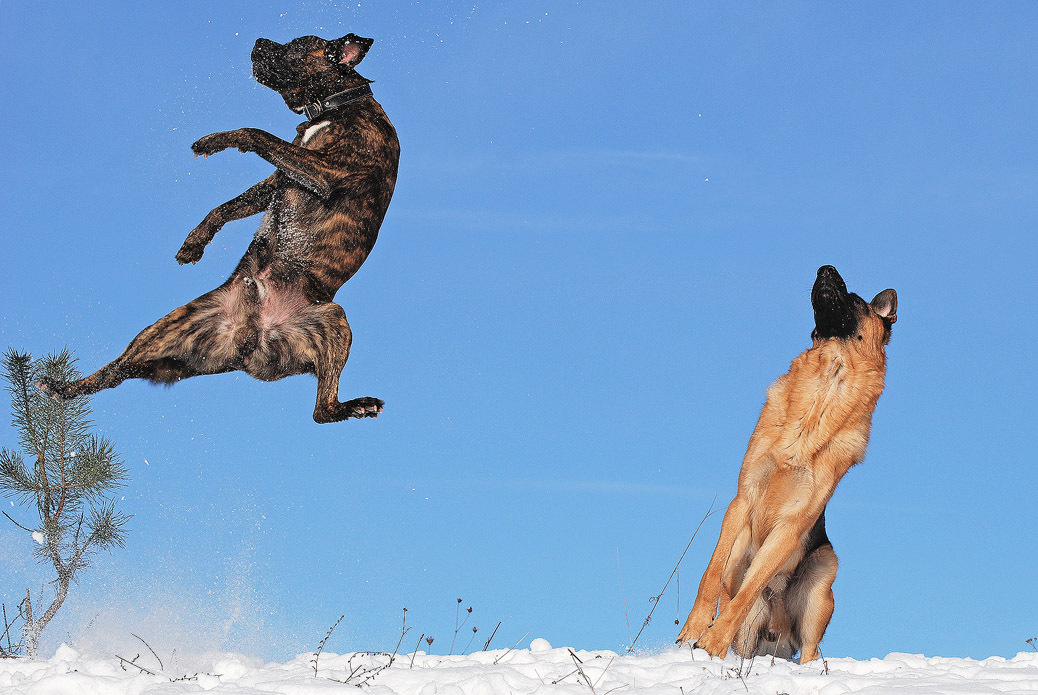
(773, 568)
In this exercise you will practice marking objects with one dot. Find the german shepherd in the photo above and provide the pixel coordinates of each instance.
(324, 204)
(773, 567)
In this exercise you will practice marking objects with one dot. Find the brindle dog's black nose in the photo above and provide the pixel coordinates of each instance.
(264, 45)
(265, 48)
(826, 269)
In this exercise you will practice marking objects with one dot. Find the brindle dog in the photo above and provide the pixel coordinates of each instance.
(324, 204)
(773, 567)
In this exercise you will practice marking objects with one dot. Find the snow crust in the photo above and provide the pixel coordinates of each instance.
(541, 671)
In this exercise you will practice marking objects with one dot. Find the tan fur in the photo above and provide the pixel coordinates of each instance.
(813, 428)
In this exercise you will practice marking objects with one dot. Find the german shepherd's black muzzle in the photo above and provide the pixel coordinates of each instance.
(836, 315)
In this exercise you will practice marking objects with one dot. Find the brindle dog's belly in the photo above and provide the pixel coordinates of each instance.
(261, 323)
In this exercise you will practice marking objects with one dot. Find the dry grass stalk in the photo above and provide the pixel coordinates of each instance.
(655, 600)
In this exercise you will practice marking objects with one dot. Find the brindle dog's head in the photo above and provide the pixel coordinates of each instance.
(309, 69)
(843, 315)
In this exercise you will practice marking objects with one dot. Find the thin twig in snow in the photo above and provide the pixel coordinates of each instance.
(466, 649)
(415, 652)
(623, 598)
(370, 675)
(134, 663)
(656, 599)
(486, 645)
(161, 666)
(580, 670)
(457, 625)
(602, 675)
(511, 648)
(320, 647)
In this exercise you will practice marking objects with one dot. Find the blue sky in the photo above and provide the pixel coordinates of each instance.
(599, 254)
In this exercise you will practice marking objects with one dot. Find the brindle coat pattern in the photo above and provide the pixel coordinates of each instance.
(274, 316)
(768, 586)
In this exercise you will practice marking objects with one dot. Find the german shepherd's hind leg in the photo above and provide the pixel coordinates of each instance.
(331, 339)
(191, 340)
(810, 601)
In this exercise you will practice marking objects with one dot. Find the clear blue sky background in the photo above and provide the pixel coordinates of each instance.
(599, 255)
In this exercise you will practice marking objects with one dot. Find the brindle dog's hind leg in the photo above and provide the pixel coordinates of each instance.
(197, 338)
(329, 338)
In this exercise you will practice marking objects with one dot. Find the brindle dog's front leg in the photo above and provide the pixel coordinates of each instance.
(253, 201)
(308, 168)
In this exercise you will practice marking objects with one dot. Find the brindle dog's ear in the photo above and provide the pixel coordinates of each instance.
(885, 304)
(348, 51)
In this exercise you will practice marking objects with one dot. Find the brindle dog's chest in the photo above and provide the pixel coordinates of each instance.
(288, 227)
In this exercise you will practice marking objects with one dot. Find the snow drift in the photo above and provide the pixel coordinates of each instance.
(540, 669)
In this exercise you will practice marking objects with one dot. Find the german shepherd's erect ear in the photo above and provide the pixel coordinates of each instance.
(885, 304)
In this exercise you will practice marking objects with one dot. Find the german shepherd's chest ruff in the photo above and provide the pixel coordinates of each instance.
(323, 205)
(773, 568)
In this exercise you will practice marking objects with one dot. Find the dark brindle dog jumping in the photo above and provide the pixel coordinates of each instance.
(773, 567)
(324, 204)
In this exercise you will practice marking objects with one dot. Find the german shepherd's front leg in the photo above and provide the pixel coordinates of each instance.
(308, 168)
(778, 547)
(736, 518)
(255, 200)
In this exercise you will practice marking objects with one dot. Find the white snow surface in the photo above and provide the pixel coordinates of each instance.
(543, 670)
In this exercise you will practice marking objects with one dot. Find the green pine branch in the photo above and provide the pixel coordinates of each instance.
(63, 473)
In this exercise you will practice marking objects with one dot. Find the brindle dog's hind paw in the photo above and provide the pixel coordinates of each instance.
(358, 408)
(58, 390)
(363, 407)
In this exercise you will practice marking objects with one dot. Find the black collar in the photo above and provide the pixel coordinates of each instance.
(315, 109)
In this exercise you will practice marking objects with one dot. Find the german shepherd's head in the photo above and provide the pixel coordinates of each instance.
(843, 315)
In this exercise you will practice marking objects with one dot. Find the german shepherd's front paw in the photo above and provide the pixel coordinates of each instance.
(218, 142)
(697, 623)
(714, 642)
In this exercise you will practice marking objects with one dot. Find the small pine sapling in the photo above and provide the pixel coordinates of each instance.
(66, 477)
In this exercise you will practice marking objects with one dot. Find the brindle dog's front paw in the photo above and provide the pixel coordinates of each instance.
(191, 251)
(218, 142)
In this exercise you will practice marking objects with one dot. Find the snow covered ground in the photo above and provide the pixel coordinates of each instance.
(540, 669)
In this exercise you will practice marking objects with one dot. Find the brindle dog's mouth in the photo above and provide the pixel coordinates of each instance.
(268, 65)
